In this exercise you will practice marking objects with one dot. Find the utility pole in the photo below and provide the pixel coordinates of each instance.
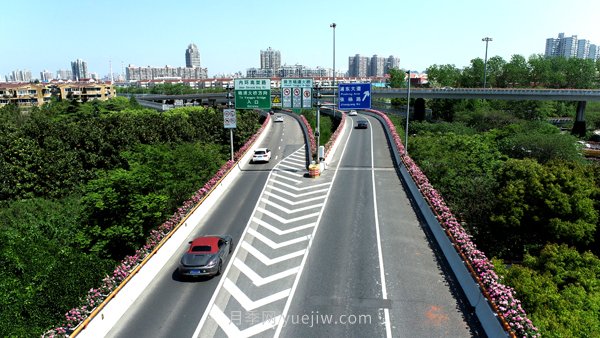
(487, 40)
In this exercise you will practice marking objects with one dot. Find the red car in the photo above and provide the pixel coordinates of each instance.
(205, 256)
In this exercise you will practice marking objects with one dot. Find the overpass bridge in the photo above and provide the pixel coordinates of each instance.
(581, 96)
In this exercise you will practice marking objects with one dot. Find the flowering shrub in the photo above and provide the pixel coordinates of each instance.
(335, 135)
(502, 297)
(110, 283)
(311, 136)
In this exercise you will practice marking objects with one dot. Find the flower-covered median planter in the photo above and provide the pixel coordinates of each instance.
(311, 136)
(335, 135)
(129, 264)
(502, 298)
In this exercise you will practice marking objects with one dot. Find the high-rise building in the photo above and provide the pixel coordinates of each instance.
(46, 76)
(569, 47)
(64, 74)
(270, 59)
(358, 66)
(79, 68)
(583, 48)
(377, 66)
(362, 66)
(392, 62)
(192, 56)
(19, 76)
(594, 52)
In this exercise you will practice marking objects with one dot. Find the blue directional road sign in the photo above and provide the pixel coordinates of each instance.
(354, 96)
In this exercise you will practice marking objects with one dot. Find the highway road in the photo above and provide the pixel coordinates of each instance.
(342, 255)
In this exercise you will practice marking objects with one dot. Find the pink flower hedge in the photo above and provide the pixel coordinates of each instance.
(502, 297)
(311, 136)
(110, 283)
(335, 135)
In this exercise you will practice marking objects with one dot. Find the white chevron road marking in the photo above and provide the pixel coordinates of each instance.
(270, 261)
(288, 172)
(278, 175)
(257, 279)
(288, 211)
(274, 245)
(285, 220)
(290, 167)
(232, 330)
(249, 304)
(299, 162)
(291, 202)
(301, 189)
(272, 187)
(279, 231)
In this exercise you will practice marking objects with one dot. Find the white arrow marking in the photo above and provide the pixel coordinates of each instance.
(367, 93)
(302, 189)
(288, 211)
(257, 279)
(281, 232)
(297, 195)
(274, 245)
(232, 330)
(284, 220)
(293, 203)
(266, 260)
(247, 303)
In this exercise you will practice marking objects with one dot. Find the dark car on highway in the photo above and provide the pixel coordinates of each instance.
(205, 256)
(362, 124)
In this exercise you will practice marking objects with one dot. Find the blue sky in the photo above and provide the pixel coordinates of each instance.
(39, 35)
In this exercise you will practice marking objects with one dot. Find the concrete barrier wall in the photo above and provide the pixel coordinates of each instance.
(486, 315)
(103, 322)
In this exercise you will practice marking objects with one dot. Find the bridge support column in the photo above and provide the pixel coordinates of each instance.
(419, 109)
(579, 125)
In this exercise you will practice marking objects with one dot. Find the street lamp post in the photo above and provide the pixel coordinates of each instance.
(333, 25)
(487, 40)
(407, 114)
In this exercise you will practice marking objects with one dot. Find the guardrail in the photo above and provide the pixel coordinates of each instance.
(493, 325)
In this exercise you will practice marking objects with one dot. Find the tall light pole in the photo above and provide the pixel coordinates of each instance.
(487, 40)
(407, 114)
(333, 25)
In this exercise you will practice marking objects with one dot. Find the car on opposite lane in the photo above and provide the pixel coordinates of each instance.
(362, 124)
(261, 155)
(205, 256)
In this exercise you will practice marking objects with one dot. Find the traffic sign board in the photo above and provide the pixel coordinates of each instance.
(229, 118)
(354, 96)
(252, 93)
(294, 93)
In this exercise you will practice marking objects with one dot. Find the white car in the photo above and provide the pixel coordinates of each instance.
(279, 118)
(352, 113)
(261, 155)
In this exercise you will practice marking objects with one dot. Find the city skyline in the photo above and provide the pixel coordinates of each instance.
(229, 41)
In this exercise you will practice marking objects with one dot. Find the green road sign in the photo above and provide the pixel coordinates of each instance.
(252, 93)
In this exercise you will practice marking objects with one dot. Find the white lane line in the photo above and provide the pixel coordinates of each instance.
(285, 220)
(279, 148)
(280, 232)
(292, 202)
(288, 211)
(386, 311)
(297, 195)
(305, 257)
(276, 156)
(274, 245)
(231, 330)
(270, 261)
(248, 303)
(257, 279)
